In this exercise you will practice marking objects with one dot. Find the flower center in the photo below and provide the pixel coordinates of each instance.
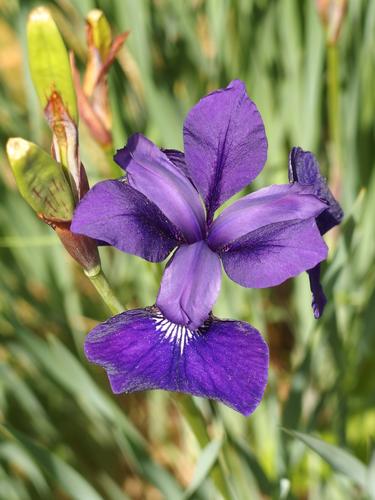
(173, 332)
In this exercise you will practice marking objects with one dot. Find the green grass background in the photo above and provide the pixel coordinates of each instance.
(63, 435)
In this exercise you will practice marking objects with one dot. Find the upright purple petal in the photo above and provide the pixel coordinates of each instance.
(116, 213)
(141, 350)
(225, 144)
(272, 254)
(190, 285)
(304, 169)
(151, 172)
(178, 160)
(270, 205)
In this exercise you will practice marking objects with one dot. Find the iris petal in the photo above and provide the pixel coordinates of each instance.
(116, 213)
(225, 144)
(319, 299)
(272, 254)
(178, 160)
(141, 350)
(190, 285)
(151, 172)
(278, 203)
(304, 170)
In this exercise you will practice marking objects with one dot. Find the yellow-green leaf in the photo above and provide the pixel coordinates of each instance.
(40, 180)
(49, 61)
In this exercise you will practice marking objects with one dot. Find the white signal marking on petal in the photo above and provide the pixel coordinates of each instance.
(165, 327)
(161, 323)
(179, 334)
(182, 338)
(170, 331)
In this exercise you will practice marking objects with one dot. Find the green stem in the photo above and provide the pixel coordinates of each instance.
(334, 103)
(334, 122)
(102, 286)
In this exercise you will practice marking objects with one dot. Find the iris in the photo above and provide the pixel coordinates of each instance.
(166, 202)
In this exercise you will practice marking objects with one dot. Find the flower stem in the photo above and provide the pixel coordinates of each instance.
(334, 101)
(334, 124)
(98, 279)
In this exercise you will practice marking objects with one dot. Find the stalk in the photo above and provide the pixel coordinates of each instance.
(334, 102)
(334, 123)
(98, 279)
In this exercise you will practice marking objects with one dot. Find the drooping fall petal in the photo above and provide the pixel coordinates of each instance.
(141, 350)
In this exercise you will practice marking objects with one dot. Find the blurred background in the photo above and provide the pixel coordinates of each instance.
(63, 435)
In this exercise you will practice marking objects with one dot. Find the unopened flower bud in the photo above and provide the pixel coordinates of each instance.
(40, 180)
(49, 62)
(43, 184)
(332, 15)
(99, 41)
(52, 78)
(93, 99)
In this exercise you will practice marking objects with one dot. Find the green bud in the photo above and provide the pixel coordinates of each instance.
(93, 95)
(41, 181)
(99, 41)
(99, 33)
(49, 61)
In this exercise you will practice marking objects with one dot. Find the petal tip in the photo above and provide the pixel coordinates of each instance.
(123, 155)
(303, 166)
(318, 304)
(237, 84)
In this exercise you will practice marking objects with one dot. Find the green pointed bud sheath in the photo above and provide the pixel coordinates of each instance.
(49, 61)
(84, 250)
(40, 180)
(99, 42)
(93, 98)
(99, 33)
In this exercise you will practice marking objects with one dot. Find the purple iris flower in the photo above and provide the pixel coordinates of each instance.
(167, 200)
(304, 170)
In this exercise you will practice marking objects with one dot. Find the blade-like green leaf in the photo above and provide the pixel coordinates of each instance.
(41, 180)
(49, 61)
(15, 455)
(205, 463)
(265, 484)
(339, 459)
(59, 471)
